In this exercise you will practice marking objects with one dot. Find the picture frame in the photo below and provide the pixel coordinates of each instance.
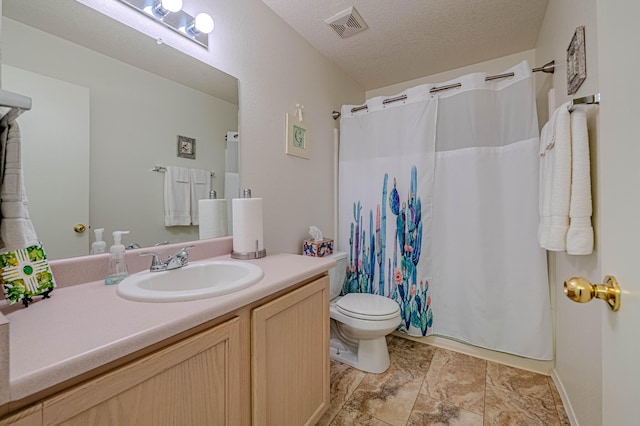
(576, 61)
(297, 140)
(186, 147)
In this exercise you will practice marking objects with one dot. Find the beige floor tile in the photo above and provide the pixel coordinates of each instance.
(428, 411)
(429, 386)
(344, 380)
(390, 396)
(564, 419)
(409, 354)
(508, 408)
(350, 417)
(456, 379)
(521, 382)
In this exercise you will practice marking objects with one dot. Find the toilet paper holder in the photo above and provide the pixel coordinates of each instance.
(251, 255)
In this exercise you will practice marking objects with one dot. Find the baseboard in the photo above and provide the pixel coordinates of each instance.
(565, 399)
(540, 367)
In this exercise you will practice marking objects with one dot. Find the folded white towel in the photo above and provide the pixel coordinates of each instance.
(544, 182)
(200, 187)
(580, 234)
(16, 230)
(177, 197)
(560, 182)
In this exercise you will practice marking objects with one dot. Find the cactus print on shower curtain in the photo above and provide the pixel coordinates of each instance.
(397, 275)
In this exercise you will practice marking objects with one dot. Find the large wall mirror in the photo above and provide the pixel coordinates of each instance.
(108, 105)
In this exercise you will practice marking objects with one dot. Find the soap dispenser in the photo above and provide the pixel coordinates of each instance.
(117, 265)
(98, 246)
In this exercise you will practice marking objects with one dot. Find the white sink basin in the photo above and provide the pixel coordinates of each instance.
(198, 280)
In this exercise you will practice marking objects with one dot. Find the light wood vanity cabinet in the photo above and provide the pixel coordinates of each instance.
(290, 357)
(195, 381)
(31, 416)
(204, 379)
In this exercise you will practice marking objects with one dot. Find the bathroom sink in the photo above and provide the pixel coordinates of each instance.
(197, 280)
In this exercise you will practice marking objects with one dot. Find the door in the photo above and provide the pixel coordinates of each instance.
(619, 195)
(55, 159)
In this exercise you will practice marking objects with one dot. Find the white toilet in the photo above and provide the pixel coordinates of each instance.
(359, 323)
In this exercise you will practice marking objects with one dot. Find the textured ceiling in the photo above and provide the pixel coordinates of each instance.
(408, 39)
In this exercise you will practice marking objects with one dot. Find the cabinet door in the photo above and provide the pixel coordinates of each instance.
(290, 357)
(31, 416)
(195, 381)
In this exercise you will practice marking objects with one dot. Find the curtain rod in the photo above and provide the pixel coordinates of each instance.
(548, 68)
(162, 169)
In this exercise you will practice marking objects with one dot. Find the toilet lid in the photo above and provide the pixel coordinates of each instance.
(367, 306)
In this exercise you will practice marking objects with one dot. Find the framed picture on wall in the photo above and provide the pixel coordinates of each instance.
(298, 143)
(576, 62)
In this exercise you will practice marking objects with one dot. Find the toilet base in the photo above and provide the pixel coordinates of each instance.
(372, 355)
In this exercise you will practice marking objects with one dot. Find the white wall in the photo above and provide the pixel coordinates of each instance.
(578, 369)
(493, 66)
(135, 119)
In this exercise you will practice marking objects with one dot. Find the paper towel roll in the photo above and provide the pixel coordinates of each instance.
(213, 218)
(247, 225)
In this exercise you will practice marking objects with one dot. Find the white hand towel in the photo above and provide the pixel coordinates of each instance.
(177, 197)
(561, 181)
(16, 229)
(547, 159)
(580, 234)
(200, 187)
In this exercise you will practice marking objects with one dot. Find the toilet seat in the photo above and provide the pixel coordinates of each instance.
(367, 306)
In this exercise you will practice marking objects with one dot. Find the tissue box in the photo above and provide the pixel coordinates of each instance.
(317, 248)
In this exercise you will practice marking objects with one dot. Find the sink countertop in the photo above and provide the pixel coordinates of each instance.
(86, 326)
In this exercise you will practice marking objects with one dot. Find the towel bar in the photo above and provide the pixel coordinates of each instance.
(585, 100)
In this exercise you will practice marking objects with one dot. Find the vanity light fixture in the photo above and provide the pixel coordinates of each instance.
(170, 13)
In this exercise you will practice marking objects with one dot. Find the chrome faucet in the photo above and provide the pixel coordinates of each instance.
(175, 261)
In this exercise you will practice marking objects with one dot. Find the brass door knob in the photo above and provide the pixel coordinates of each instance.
(581, 290)
(80, 228)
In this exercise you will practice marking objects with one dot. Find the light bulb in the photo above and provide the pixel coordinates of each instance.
(172, 5)
(161, 8)
(204, 23)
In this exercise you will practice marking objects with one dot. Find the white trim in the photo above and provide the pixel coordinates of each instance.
(536, 366)
(565, 398)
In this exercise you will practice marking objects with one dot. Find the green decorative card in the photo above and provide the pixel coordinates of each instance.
(25, 273)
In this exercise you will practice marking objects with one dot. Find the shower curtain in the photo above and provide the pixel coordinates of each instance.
(479, 276)
(385, 191)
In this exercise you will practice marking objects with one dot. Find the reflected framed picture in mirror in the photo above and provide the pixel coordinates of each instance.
(297, 137)
(186, 147)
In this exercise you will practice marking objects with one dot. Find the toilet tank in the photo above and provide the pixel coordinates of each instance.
(337, 274)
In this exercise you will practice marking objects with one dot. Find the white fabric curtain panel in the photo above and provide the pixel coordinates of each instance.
(490, 282)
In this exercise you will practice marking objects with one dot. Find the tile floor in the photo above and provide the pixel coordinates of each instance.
(426, 385)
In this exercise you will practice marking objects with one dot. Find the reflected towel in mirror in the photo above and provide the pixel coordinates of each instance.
(177, 197)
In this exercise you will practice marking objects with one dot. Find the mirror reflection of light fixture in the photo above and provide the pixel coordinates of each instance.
(170, 13)
(161, 8)
(202, 24)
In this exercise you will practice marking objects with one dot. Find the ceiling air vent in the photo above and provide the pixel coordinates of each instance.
(347, 23)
